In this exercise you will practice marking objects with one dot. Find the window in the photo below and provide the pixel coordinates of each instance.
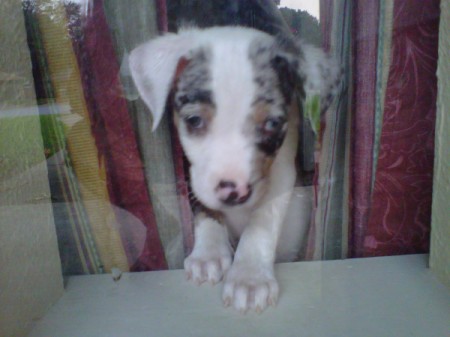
(86, 185)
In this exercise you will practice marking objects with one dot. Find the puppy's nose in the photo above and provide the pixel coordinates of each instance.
(231, 194)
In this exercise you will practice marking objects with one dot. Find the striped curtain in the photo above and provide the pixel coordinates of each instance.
(375, 165)
(119, 193)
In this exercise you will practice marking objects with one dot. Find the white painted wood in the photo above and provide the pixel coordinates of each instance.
(440, 228)
(30, 267)
(390, 296)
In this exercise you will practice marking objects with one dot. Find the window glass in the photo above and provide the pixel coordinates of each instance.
(78, 152)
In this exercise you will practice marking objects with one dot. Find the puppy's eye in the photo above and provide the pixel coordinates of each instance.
(273, 124)
(271, 135)
(194, 122)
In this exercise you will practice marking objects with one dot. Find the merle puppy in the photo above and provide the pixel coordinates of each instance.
(232, 90)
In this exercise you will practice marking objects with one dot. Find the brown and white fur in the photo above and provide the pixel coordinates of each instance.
(233, 91)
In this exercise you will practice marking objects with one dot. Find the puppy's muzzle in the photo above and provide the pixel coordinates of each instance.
(231, 194)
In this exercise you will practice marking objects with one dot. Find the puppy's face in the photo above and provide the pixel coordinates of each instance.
(231, 89)
(230, 106)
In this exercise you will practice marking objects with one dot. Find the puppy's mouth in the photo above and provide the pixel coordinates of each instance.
(228, 194)
(236, 199)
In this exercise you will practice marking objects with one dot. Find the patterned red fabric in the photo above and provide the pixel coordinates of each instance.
(115, 137)
(400, 212)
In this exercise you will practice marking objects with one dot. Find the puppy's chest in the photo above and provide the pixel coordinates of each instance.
(236, 221)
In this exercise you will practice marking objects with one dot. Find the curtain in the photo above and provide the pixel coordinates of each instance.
(129, 28)
(375, 165)
(121, 192)
(400, 209)
(105, 217)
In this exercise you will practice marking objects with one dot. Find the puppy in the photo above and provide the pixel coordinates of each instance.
(233, 91)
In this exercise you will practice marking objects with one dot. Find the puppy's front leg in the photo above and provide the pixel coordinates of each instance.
(212, 253)
(250, 283)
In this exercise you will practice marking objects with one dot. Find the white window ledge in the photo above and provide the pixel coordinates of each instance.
(390, 296)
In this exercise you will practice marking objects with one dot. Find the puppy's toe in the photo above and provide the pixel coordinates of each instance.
(194, 270)
(241, 298)
(225, 263)
(261, 295)
(211, 270)
(266, 294)
(249, 289)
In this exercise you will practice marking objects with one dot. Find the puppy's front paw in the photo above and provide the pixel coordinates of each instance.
(207, 266)
(247, 287)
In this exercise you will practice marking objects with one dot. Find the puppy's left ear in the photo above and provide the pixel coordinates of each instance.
(153, 66)
(321, 74)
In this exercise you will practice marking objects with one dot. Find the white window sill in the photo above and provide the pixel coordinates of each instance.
(389, 296)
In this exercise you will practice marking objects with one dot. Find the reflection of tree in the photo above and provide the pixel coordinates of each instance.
(303, 25)
(259, 14)
(50, 8)
(254, 13)
(58, 12)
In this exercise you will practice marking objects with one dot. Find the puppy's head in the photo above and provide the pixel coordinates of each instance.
(231, 89)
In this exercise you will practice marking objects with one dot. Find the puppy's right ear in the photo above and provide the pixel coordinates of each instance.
(153, 65)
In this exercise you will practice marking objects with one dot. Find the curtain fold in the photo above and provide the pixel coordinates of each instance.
(80, 198)
(130, 26)
(328, 237)
(103, 211)
(112, 128)
(365, 19)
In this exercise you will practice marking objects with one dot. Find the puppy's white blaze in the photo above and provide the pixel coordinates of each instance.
(232, 82)
(234, 90)
(228, 156)
(231, 158)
